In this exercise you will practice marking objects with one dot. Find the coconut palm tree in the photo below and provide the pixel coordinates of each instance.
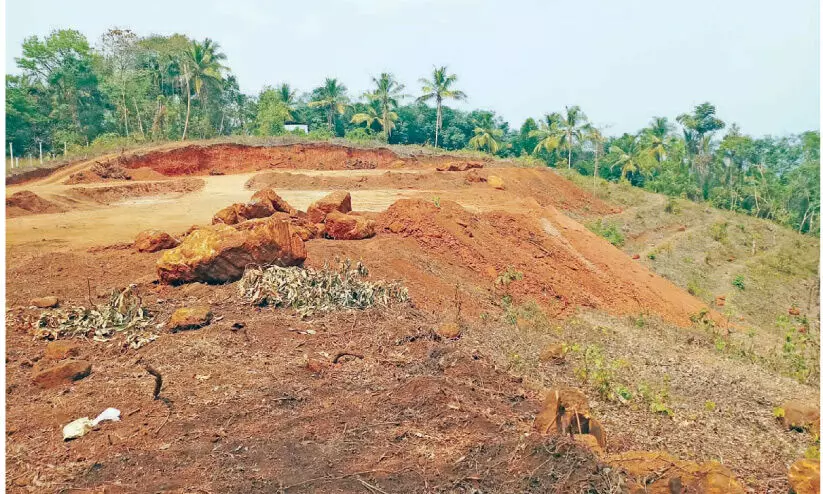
(203, 66)
(656, 138)
(628, 156)
(372, 115)
(486, 135)
(331, 96)
(287, 96)
(548, 135)
(387, 93)
(572, 125)
(439, 88)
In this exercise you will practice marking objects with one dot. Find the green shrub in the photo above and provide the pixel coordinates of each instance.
(719, 231)
(739, 282)
(672, 206)
(608, 231)
(321, 134)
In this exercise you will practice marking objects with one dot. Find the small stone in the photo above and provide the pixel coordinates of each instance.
(61, 349)
(553, 353)
(62, 373)
(190, 318)
(45, 302)
(449, 331)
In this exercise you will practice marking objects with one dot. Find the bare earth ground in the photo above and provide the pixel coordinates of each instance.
(265, 409)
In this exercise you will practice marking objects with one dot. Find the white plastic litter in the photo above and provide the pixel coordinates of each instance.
(83, 425)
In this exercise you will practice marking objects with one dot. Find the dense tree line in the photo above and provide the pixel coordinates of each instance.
(129, 88)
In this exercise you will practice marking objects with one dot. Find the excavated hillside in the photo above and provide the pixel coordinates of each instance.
(439, 393)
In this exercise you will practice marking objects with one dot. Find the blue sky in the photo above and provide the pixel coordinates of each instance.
(621, 61)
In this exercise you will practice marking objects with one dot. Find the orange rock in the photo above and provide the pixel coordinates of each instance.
(496, 182)
(220, 253)
(61, 349)
(316, 366)
(661, 473)
(804, 476)
(62, 373)
(449, 331)
(553, 353)
(190, 318)
(794, 311)
(566, 410)
(636, 256)
(396, 227)
(154, 240)
(473, 177)
(236, 213)
(269, 198)
(720, 301)
(45, 302)
(342, 226)
(459, 167)
(339, 201)
(797, 415)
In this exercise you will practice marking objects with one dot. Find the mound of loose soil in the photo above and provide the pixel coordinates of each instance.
(237, 158)
(26, 202)
(562, 264)
(115, 193)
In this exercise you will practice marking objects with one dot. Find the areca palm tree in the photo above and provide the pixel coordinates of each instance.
(486, 135)
(439, 88)
(595, 137)
(331, 96)
(387, 93)
(203, 66)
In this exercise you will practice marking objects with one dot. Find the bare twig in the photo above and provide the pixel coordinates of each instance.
(343, 354)
(158, 380)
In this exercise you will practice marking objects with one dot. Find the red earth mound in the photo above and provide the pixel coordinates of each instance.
(562, 264)
(26, 202)
(236, 158)
(114, 193)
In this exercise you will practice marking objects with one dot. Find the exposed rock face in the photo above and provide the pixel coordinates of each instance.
(62, 373)
(301, 226)
(801, 416)
(45, 302)
(459, 167)
(339, 201)
(342, 226)
(154, 240)
(496, 182)
(269, 198)
(661, 473)
(190, 318)
(220, 253)
(804, 476)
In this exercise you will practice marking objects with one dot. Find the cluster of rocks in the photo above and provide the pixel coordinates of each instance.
(265, 230)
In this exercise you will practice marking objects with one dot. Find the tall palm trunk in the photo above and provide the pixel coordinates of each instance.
(439, 121)
(188, 106)
(570, 150)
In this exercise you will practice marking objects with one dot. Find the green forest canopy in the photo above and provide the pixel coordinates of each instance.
(130, 88)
